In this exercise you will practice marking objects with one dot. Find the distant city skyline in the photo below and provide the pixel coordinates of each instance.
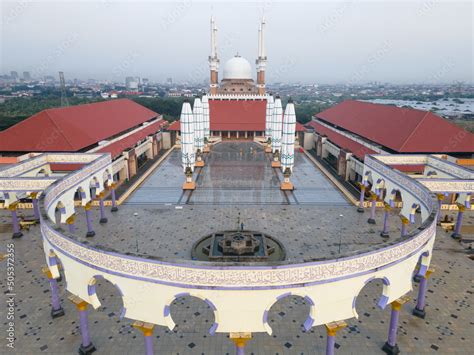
(339, 42)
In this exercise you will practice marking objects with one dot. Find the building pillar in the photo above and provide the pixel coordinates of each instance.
(246, 134)
(86, 347)
(147, 330)
(240, 340)
(384, 232)
(70, 223)
(419, 310)
(34, 200)
(331, 329)
(405, 223)
(440, 203)
(457, 228)
(15, 222)
(103, 218)
(373, 205)
(390, 347)
(113, 197)
(361, 199)
(56, 309)
(90, 230)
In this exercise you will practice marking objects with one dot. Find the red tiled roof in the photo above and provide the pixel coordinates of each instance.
(415, 168)
(342, 141)
(400, 129)
(65, 167)
(175, 126)
(70, 129)
(236, 115)
(116, 148)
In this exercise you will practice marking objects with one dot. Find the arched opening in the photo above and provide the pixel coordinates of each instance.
(366, 308)
(190, 314)
(396, 198)
(94, 187)
(57, 269)
(42, 173)
(80, 196)
(289, 312)
(105, 297)
(371, 296)
(59, 213)
(107, 178)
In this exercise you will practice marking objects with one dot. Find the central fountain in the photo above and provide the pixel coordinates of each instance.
(238, 245)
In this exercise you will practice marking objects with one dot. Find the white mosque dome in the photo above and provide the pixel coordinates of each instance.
(237, 68)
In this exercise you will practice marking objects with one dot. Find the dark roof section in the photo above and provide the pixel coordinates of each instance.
(70, 129)
(403, 130)
(342, 141)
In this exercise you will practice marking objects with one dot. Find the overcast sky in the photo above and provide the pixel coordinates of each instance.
(322, 42)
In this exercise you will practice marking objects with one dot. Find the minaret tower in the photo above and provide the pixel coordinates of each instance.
(261, 59)
(213, 59)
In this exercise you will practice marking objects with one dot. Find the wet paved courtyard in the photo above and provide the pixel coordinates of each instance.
(237, 173)
(316, 222)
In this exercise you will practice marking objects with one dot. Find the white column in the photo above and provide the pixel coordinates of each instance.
(205, 112)
(268, 119)
(288, 137)
(277, 125)
(198, 125)
(187, 136)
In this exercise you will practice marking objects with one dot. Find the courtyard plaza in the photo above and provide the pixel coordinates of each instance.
(315, 221)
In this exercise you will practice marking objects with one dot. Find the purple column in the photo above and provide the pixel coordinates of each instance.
(57, 310)
(36, 208)
(114, 201)
(103, 219)
(403, 232)
(390, 346)
(419, 310)
(86, 346)
(384, 232)
(392, 332)
(361, 199)
(90, 230)
(71, 227)
(239, 350)
(371, 220)
(16, 224)
(440, 202)
(148, 344)
(457, 228)
(331, 341)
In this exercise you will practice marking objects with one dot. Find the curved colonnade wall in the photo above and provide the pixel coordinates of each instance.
(240, 295)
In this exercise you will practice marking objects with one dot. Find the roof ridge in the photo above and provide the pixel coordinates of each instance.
(413, 131)
(59, 130)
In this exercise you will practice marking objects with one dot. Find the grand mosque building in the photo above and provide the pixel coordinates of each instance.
(237, 103)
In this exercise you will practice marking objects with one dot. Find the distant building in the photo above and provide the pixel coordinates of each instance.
(26, 75)
(131, 82)
(14, 75)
